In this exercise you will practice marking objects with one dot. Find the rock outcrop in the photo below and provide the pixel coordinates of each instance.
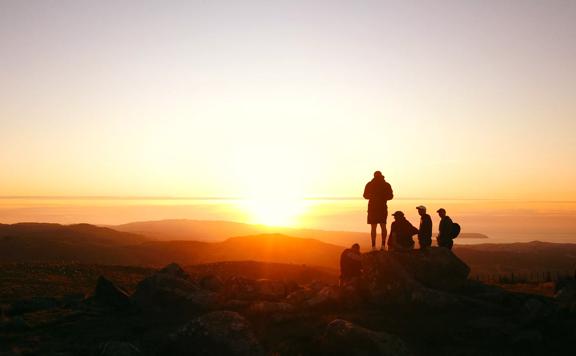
(172, 288)
(414, 277)
(108, 294)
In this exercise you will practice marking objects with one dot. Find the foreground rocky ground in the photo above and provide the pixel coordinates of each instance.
(409, 304)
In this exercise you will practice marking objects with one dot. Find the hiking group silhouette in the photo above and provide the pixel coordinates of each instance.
(378, 192)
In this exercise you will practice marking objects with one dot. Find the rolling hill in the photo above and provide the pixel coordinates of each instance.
(216, 231)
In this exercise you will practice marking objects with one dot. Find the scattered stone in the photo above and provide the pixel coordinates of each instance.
(174, 270)
(264, 307)
(118, 348)
(162, 291)
(342, 337)
(241, 288)
(300, 296)
(567, 292)
(326, 297)
(211, 282)
(270, 289)
(215, 333)
(33, 304)
(107, 293)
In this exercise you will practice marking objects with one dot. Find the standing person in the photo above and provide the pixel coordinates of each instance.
(444, 230)
(378, 192)
(350, 266)
(425, 230)
(401, 233)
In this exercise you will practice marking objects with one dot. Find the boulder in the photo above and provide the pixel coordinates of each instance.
(342, 337)
(437, 267)
(117, 348)
(241, 288)
(171, 289)
(270, 308)
(387, 282)
(215, 333)
(174, 270)
(108, 294)
(270, 289)
(211, 282)
(300, 296)
(327, 297)
(567, 292)
(537, 310)
(392, 277)
(249, 289)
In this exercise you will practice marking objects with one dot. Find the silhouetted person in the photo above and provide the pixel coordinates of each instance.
(401, 233)
(350, 265)
(444, 230)
(425, 229)
(378, 192)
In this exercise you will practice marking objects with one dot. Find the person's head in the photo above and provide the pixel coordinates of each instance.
(441, 212)
(378, 175)
(398, 215)
(421, 209)
(355, 248)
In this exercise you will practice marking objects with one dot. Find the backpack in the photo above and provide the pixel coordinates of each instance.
(388, 194)
(455, 230)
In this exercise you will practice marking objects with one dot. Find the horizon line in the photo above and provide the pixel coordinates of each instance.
(218, 198)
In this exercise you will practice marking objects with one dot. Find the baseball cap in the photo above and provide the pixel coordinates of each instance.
(421, 207)
(399, 213)
(441, 210)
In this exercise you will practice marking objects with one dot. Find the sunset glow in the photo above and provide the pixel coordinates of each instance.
(228, 99)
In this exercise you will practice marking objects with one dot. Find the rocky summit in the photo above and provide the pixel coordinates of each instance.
(407, 303)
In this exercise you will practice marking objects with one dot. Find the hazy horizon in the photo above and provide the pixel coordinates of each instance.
(500, 220)
(113, 112)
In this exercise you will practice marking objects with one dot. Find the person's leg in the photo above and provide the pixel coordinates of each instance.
(373, 234)
(384, 234)
(449, 244)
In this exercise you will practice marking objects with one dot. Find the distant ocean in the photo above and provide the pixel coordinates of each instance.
(500, 220)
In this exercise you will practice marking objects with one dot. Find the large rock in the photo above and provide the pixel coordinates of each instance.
(400, 277)
(107, 293)
(215, 333)
(342, 337)
(387, 282)
(437, 267)
(171, 288)
(566, 293)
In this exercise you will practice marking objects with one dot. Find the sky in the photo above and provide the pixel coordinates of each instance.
(449, 99)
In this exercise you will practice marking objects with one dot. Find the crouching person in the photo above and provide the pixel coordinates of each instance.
(350, 266)
(401, 233)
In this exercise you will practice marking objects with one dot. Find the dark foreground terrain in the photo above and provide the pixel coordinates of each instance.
(409, 304)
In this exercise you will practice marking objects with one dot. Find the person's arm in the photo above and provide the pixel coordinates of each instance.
(367, 192)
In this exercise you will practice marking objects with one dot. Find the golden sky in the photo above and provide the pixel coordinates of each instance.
(449, 99)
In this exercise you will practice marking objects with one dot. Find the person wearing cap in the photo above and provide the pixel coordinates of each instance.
(378, 192)
(401, 233)
(425, 229)
(444, 238)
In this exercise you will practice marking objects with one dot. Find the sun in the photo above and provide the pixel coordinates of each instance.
(272, 186)
(274, 212)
